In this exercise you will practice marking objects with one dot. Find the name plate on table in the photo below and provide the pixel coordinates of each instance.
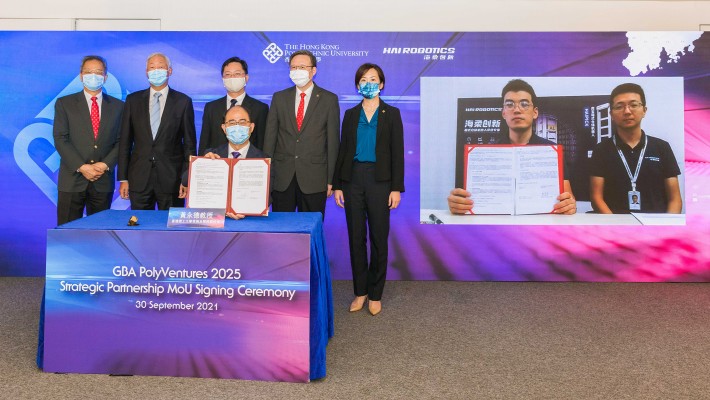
(196, 217)
(178, 303)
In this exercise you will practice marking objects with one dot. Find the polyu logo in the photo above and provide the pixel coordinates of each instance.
(272, 53)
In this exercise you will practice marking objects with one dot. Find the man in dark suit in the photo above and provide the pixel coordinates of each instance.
(237, 128)
(157, 140)
(235, 76)
(86, 128)
(302, 137)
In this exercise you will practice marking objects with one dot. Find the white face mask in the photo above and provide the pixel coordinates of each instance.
(157, 77)
(234, 84)
(92, 82)
(300, 77)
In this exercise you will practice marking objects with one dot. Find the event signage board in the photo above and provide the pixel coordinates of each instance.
(178, 303)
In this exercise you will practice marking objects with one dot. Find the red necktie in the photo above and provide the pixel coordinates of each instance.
(95, 116)
(299, 114)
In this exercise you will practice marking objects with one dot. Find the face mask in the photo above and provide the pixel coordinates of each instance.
(237, 134)
(157, 77)
(234, 84)
(299, 77)
(369, 90)
(93, 82)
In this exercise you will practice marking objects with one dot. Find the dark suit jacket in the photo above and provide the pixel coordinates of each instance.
(74, 141)
(389, 147)
(212, 134)
(171, 149)
(309, 154)
(222, 150)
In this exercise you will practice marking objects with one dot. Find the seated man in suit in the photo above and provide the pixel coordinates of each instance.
(237, 128)
(235, 76)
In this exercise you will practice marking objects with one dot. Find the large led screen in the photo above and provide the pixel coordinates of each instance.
(432, 77)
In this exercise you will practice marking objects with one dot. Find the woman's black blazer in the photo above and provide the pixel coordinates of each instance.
(389, 147)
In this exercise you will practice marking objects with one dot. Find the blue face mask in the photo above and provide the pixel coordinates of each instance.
(157, 77)
(92, 82)
(237, 134)
(369, 90)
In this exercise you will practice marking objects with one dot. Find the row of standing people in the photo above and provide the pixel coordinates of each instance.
(149, 139)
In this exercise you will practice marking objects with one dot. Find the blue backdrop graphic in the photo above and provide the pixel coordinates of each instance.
(39, 67)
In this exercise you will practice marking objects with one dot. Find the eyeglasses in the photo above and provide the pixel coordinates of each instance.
(229, 75)
(241, 122)
(300, 67)
(510, 105)
(633, 106)
(94, 71)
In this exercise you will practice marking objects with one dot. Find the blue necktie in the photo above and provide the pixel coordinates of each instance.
(155, 114)
(236, 154)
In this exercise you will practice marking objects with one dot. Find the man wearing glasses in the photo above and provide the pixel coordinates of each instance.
(86, 131)
(519, 112)
(237, 129)
(632, 171)
(302, 137)
(235, 77)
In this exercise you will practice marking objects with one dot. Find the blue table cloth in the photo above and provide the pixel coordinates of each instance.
(321, 291)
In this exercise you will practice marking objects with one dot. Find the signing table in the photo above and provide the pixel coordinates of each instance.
(250, 301)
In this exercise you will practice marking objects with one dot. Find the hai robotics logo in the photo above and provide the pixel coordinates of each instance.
(42, 130)
(272, 53)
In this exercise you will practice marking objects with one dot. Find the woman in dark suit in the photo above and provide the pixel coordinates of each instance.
(368, 180)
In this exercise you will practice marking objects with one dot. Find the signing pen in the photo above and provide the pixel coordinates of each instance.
(435, 219)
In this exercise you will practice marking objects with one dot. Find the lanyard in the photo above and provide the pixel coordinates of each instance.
(635, 176)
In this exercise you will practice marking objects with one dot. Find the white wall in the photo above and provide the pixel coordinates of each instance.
(362, 15)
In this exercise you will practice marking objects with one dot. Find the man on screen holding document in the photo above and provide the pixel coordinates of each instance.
(632, 171)
(237, 127)
(519, 112)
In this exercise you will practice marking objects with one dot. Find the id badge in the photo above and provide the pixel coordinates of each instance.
(634, 200)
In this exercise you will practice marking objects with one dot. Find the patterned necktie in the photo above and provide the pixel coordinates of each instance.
(236, 154)
(299, 114)
(155, 114)
(233, 103)
(95, 116)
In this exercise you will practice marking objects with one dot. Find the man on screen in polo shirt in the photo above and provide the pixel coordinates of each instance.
(632, 171)
(519, 112)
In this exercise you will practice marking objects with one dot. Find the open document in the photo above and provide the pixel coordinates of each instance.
(513, 179)
(240, 186)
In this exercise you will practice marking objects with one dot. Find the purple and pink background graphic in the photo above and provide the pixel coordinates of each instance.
(244, 337)
(417, 251)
